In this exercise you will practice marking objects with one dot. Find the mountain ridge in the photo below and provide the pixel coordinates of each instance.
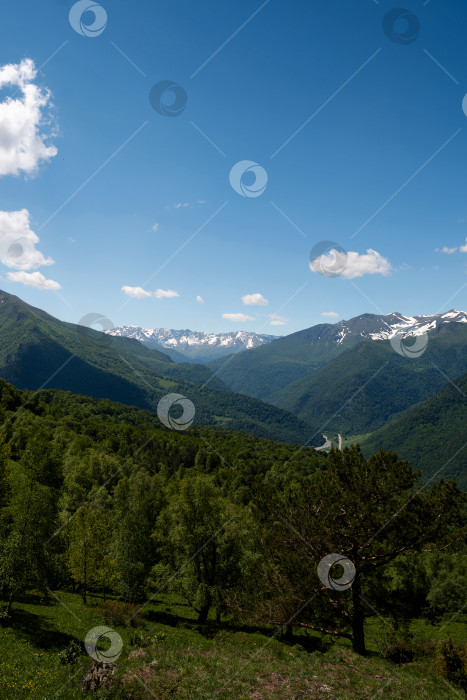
(196, 346)
(38, 350)
(267, 369)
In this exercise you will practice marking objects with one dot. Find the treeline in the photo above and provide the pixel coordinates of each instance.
(96, 496)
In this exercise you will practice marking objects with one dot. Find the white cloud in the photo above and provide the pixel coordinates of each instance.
(199, 299)
(165, 294)
(22, 145)
(254, 300)
(449, 251)
(33, 279)
(238, 318)
(140, 293)
(135, 292)
(18, 241)
(183, 205)
(352, 264)
(330, 314)
(277, 320)
(155, 227)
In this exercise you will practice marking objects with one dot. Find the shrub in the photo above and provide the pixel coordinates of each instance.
(451, 663)
(70, 653)
(395, 647)
(399, 653)
(119, 614)
(5, 617)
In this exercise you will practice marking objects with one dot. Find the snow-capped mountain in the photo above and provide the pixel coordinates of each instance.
(199, 346)
(370, 326)
(195, 346)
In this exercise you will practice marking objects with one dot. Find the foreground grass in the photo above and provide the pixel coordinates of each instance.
(168, 655)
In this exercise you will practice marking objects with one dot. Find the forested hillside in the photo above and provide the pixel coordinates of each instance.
(432, 435)
(359, 391)
(38, 351)
(111, 522)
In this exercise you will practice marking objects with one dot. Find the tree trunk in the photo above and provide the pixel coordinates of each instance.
(358, 632)
(10, 603)
(203, 613)
(288, 634)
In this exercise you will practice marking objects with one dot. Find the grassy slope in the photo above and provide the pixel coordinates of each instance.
(179, 661)
(368, 384)
(432, 435)
(38, 349)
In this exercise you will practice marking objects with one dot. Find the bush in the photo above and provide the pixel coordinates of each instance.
(70, 653)
(119, 614)
(5, 617)
(399, 653)
(451, 663)
(395, 647)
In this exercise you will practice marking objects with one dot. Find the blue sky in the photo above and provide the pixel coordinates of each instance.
(139, 200)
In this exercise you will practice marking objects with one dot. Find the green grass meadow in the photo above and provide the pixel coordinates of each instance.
(168, 655)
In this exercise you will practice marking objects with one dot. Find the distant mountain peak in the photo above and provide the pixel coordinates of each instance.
(191, 345)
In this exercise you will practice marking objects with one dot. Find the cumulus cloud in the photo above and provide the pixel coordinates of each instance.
(351, 265)
(18, 242)
(165, 294)
(254, 300)
(330, 314)
(155, 227)
(199, 299)
(23, 139)
(277, 320)
(33, 279)
(135, 292)
(449, 251)
(140, 293)
(238, 318)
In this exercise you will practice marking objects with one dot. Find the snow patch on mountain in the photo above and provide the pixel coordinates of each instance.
(194, 343)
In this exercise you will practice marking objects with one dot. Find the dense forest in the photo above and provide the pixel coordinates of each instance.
(99, 499)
